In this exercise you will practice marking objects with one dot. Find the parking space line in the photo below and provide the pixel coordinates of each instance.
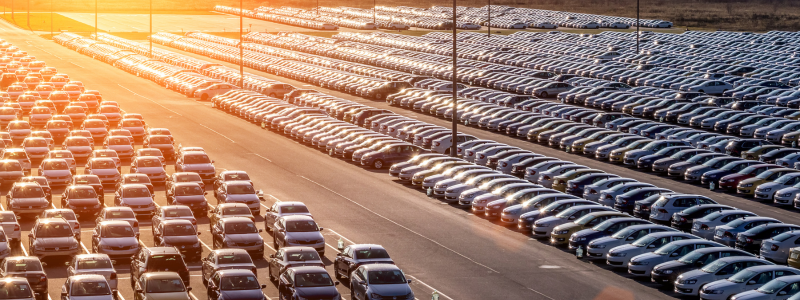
(401, 225)
(268, 246)
(217, 132)
(85, 249)
(151, 100)
(259, 155)
(341, 236)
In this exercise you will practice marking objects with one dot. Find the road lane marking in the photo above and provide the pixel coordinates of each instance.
(341, 236)
(259, 155)
(192, 295)
(151, 100)
(85, 249)
(217, 132)
(401, 225)
(79, 66)
(268, 246)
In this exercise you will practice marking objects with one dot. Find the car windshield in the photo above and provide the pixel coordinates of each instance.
(165, 285)
(584, 220)
(13, 290)
(23, 265)
(136, 192)
(241, 189)
(773, 286)
(234, 259)
(301, 226)
(28, 191)
(134, 178)
(293, 209)
(240, 228)
(90, 288)
(10, 166)
(78, 142)
(313, 280)
(66, 214)
(82, 193)
(149, 163)
(785, 178)
(737, 222)
(714, 266)
(765, 174)
(196, 159)
(743, 276)
(177, 212)
(118, 231)
(386, 277)
(371, 254)
(103, 164)
(302, 256)
(246, 282)
(624, 233)
(188, 191)
(667, 249)
(603, 226)
(188, 178)
(236, 176)
(16, 155)
(160, 140)
(84, 264)
(35, 143)
(120, 214)
(644, 241)
(748, 170)
(132, 123)
(236, 211)
(119, 141)
(179, 230)
(784, 236)
(691, 257)
(53, 230)
(56, 165)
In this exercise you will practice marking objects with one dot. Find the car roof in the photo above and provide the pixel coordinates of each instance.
(176, 221)
(91, 256)
(162, 250)
(224, 205)
(162, 275)
(88, 277)
(231, 251)
(297, 218)
(380, 267)
(51, 220)
(309, 269)
(235, 219)
(234, 272)
(366, 246)
(290, 203)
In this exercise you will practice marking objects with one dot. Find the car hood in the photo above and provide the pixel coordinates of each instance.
(672, 265)
(245, 294)
(695, 274)
(390, 289)
(105, 172)
(305, 236)
(650, 257)
(137, 200)
(57, 172)
(753, 295)
(168, 296)
(245, 237)
(117, 242)
(62, 242)
(321, 292)
(181, 239)
(242, 197)
(721, 285)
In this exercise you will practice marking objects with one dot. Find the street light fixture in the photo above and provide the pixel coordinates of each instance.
(455, 88)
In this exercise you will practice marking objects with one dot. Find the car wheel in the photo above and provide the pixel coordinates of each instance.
(377, 164)
(272, 95)
(378, 96)
(269, 274)
(336, 272)
(205, 281)
(702, 91)
(352, 292)
(544, 95)
(204, 97)
(275, 243)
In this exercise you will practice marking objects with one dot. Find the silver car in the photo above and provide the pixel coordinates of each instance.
(66, 214)
(620, 256)
(298, 231)
(117, 239)
(592, 192)
(667, 205)
(281, 209)
(52, 237)
(746, 280)
(118, 213)
(26, 198)
(690, 283)
(239, 233)
(239, 192)
(728, 233)
(597, 249)
(99, 264)
(86, 287)
(706, 226)
(782, 288)
(150, 166)
(104, 168)
(642, 265)
(137, 197)
(57, 171)
(778, 248)
(11, 227)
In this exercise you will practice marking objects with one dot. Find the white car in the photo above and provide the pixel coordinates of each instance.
(620, 256)
(597, 249)
(778, 248)
(781, 288)
(705, 227)
(137, 197)
(98, 264)
(57, 171)
(712, 87)
(747, 280)
(206, 94)
(666, 206)
(11, 228)
(691, 282)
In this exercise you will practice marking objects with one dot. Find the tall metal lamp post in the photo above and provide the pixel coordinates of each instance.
(241, 44)
(455, 87)
(489, 22)
(151, 29)
(637, 27)
(95, 19)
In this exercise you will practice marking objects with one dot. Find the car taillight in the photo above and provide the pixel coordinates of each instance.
(458, 150)
(683, 219)
(255, 271)
(661, 210)
(135, 223)
(77, 226)
(113, 276)
(194, 222)
(16, 227)
(704, 227)
(749, 240)
(774, 248)
(546, 177)
(592, 191)
(43, 278)
(727, 234)
(609, 197)
(481, 156)
(574, 186)
(436, 144)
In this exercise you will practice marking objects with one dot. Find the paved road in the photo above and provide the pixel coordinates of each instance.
(463, 256)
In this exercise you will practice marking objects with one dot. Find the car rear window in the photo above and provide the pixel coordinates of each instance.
(371, 254)
(235, 259)
(165, 263)
(94, 264)
(293, 209)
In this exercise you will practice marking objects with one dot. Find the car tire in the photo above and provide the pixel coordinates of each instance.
(204, 280)
(275, 244)
(544, 95)
(379, 96)
(352, 293)
(204, 97)
(272, 95)
(269, 274)
(378, 164)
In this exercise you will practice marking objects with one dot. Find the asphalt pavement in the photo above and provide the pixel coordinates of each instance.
(439, 246)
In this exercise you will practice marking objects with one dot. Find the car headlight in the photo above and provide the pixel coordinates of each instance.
(105, 247)
(541, 225)
(666, 272)
(622, 254)
(787, 195)
(766, 189)
(375, 296)
(580, 239)
(96, 205)
(598, 246)
(690, 281)
(747, 185)
(196, 245)
(38, 247)
(562, 232)
(712, 292)
(292, 241)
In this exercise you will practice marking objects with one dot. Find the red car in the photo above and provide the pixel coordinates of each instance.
(730, 182)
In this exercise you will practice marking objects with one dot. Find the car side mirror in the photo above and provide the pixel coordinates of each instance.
(272, 256)
(651, 246)
(261, 230)
(289, 285)
(188, 289)
(572, 218)
(781, 293)
(30, 235)
(199, 233)
(630, 238)
(339, 254)
(64, 295)
(138, 290)
(263, 286)
(673, 254)
(260, 194)
(336, 283)
(321, 229)
(751, 282)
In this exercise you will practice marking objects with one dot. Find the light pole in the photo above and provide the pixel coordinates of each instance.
(29, 14)
(373, 14)
(151, 29)
(455, 88)
(241, 45)
(51, 19)
(489, 23)
(95, 20)
(637, 27)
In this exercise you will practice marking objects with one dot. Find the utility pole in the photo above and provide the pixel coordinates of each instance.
(51, 19)
(241, 45)
(373, 14)
(637, 27)
(151, 29)
(29, 14)
(453, 150)
(489, 23)
(95, 20)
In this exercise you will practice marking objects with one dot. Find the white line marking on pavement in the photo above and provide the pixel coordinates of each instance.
(341, 236)
(23, 250)
(267, 159)
(401, 226)
(48, 52)
(151, 100)
(209, 128)
(85, 249)
(204, 244)
(430, 287)
(268, 246)
(192, 295)
(540, 293)
(79, 66)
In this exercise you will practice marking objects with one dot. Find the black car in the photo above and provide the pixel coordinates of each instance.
(736, 147)
(730, 168)
(604, 229)
(772, 156)
(683, 220)
(518, 169)
(158, 259)
(641, 209)
(354, 256)
(308, 283)
(575, 186)
(646, 162)
(667, 272)
(29, 267)
(626, 201)
(751, 239)
(180, 234)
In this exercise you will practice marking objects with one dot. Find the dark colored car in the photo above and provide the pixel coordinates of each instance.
(353, 256)
(29, 267)
(625, 202)
(732, 167)
(575, 186)
(751, 239)
(235, 284)
(730, 182)
(667, 272)
(683, 220)
(390, 155)
(774, 155)
(736, 147)
(641, 208)
(607, 228)
(158, 259)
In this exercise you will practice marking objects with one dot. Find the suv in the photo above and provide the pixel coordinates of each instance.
(158, 259)
(52, 237)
